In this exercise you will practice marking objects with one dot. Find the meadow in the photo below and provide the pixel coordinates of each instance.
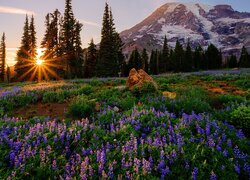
(87, 129)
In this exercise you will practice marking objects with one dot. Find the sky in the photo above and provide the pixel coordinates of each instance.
(127, 13)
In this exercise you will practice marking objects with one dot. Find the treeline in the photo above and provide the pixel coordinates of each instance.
(63, 56)
(182, 59)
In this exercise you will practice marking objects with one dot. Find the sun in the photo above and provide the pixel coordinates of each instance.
(39, 62)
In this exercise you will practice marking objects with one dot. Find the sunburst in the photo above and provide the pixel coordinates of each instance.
(42, 69)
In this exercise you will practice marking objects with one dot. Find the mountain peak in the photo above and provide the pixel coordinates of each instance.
(200, 23)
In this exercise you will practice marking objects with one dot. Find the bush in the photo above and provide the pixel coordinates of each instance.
(50, 96)
(81, 107)
(240, 118)
(128, 101)
(228, 99)
(87, 90)
(146, 89)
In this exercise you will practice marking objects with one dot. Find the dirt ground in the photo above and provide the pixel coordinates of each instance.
(54, 110)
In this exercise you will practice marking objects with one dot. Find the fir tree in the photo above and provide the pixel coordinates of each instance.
(23, 66)
(188, 60)
(244, 61)
(213, 57)
(198, 58)
(90, 61)
(153, 64)
(8, 74)
(232, 61)
(32, 40)
(135, 60)
(178, 56)
(164, 59)
(110, 56)
(144, 57)
(2, 57)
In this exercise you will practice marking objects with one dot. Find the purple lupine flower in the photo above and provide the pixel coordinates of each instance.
(54, 167)
(161, 165)
(237, 168)
(110, 172)
(67, 168)
(211, 142)
(187, 165)
(213, 176)
(174, 154)
(137, 164)
(165, 172)
(247, 168)
(194, 173)
(240, 134)
(91, 171)
(146, 166)
(229, 142)
(208, 129)
(222, 167)
(162, 154)
(225, 153)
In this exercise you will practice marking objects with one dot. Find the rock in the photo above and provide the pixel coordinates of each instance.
(116, 109)
(137, 79)
(97, 106)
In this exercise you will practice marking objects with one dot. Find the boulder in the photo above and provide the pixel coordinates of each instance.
(138, 78)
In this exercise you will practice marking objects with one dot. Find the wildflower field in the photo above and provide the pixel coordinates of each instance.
(106, 131)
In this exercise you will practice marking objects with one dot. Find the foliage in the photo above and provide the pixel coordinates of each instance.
(81, 107)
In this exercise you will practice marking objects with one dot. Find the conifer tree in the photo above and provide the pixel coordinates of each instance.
(135, 60)
(144, 57)
(244, 61)
(153, 64)
(188, 60)
(213, 57)
(2, 57)
(32, 40)
(23, 66)
(164, 59)
(178, 56)
(90, 61)
(8, 74)
(232, 61)
(198, 58)
(110, 55)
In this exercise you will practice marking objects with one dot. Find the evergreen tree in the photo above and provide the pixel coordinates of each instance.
(32, 40)
(178, 57)
(8, 74)
(144, 57)
(164, 59)
(188, 60)
(67, 38)
(135, 60)
(197, 58)
(232, 61)
(23, 66)
(154, 62)
(2, 57)
(110, 54)
(244, 61)
(214, 57)
(90, 61)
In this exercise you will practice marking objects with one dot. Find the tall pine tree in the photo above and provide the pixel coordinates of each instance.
(32, 38)
(135, 60)
(178, 56)
(164, 59)
(2, 57)
(90, 61)
(244, 61)
(188, 60)
(24, 66)
(110, 55)
(144, 57)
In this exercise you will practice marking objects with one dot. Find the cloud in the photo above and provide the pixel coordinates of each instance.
(89, 23)
(12, 10)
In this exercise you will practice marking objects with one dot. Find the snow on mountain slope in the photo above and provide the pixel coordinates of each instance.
(201, 24)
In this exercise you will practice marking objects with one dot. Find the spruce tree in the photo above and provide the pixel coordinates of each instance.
(178, 57)
(90, 61)
(2, 57)
(188, 60)
(144, 57)
(32, 40)
(23, 66)
(244, 61)
(164, 59)
(197, 58)
(110, 55)
(153, 64)
(8, 74)
(135, 60)
(232, 61)
(213, 56)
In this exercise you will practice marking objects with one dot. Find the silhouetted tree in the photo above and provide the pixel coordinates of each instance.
(24, 66)
(164, 59)
(154, 62)
(213, 57)
(135, 60)
(244, 58)
(187, 65)
(110, 54)
(232, 61)
(32, 40)
(178, 56)
(90, 61)
(198, 58)
(2, 57)
(144, 57)
(8, 74)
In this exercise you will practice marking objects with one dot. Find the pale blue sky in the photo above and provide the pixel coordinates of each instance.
(126, 13)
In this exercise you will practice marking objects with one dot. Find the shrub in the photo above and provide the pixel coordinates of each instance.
(87, 90)
(227, 99)
(240, 118)
(128, 101)
(81, 107)
(50, 96)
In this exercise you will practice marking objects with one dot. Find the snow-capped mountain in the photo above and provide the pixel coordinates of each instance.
(202, 24)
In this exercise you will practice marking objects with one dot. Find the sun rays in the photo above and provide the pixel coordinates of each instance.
(40, 69)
